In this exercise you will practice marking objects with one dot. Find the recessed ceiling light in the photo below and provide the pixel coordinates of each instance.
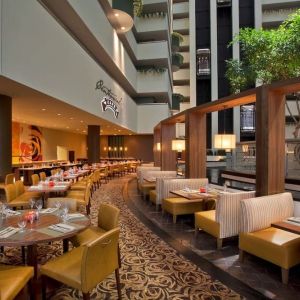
(119, 130)
(123, 28)
(59, 114)
(81, 121)
(116, 14)
(83, 130)
(101, 130)
(130, 133)
(43, 109)
(71, 118)
(115, 134)
(67, 127)
(77, 129)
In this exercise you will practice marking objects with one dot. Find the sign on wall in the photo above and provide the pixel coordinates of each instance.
(110, 100)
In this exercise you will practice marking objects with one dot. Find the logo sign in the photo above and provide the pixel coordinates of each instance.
(107, 103)
(110, 100)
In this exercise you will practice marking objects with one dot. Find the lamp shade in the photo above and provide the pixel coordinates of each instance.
(178, 145)
(158, 146)
(224, 141)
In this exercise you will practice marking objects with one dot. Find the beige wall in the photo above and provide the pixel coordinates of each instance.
(72, 141)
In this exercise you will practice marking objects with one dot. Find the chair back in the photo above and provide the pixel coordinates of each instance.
(10, 192)
(20, 189)
(65, 202)
(43, 176)
(108, 216)
(228, 212)
(10, 178)
(35, 179)
(99, 259)
(88, 191)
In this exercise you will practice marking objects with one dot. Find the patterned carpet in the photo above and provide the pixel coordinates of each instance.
(151, 269)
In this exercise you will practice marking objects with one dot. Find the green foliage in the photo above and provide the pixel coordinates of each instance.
(268, 55)
(178, 36)
(178, 97)
(177, 59)
(137, 7)
(151, 69)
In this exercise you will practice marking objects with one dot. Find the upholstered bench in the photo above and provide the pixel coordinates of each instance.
(224, 221)
(178, 205)
(257, 237)
(140, 173)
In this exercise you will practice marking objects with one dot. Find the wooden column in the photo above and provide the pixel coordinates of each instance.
(270, 142)
(168, 156)
(93, 143)
(157, 152)
(195, 132)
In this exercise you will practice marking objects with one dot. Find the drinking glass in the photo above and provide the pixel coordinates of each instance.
(65, 209)
(65, 217)
(39, 205)
(3, 210)
(22, 224)
(57, 204)
(31, 203)
(31, 219)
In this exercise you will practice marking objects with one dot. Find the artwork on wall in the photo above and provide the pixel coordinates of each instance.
(26, 143)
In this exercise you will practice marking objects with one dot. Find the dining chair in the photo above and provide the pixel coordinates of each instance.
(13, 279)
(70, 203)
(43, 176)
(84, 267)
(35, 179)
(10, 178)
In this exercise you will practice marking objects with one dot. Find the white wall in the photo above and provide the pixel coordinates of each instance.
(151, 114)
(39, 53)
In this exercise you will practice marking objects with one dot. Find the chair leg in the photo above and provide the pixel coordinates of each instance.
(241, 255)
(219, 243)
(23, 254)
(44, 287)
(118, 284)
(119, 256)
(86, 296)
(196, 231)
(284, 275)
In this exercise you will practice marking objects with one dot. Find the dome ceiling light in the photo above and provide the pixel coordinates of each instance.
(121, 16)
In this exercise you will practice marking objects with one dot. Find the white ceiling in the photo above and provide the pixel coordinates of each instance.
(35, 108)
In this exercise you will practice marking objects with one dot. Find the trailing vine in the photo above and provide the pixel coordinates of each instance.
(137, 7)
(150, 69)
(158, 14)
(178, 36)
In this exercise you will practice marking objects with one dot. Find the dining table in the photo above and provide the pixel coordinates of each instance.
(292, 225)
(47, 228)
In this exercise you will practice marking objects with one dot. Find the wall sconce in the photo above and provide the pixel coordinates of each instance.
(104, 148)
(125, 149)
(109, 148)
(158, 146)
(115, 148)
(121, 148)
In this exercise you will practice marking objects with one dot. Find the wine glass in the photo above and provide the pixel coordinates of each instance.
(65, 209)
(65, 217)
(31, 203)
(22, 224)
(3, 210)
(58, 204)
(39, 205)
(31, 219)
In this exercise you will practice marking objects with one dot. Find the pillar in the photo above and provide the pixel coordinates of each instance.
(270, 142)
(5, 136)
(168, 156)
(195, 155)
(93, 143)
(157, 146)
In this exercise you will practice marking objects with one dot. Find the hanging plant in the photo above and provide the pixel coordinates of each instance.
(178, 36)
(151, 69)
(177, 39)
(137, 7)
(177, 61)
(176, 99)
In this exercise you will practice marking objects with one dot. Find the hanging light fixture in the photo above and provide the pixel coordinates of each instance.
(225, 141)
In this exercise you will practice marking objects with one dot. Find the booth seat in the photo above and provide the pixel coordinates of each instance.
(147, 187)
(140, 174)
(181, 206)
(224, 221)
(257, 237)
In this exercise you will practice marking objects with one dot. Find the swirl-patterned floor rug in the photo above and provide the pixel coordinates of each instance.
(151, 269)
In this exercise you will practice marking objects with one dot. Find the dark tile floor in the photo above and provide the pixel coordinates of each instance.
(254, 278)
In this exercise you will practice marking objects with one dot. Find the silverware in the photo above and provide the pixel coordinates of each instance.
(6, 230)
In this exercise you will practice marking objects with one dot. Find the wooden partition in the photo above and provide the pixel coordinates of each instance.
(168, 157)
(270, 134)
(157, 152)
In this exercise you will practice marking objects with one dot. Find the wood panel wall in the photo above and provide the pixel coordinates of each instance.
(168, 156)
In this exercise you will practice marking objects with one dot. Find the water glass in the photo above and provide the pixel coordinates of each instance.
(22, 224)
(31, 203)
(39, 205)
(65, 217)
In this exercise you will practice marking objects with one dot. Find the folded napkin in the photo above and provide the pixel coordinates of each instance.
(49, 210)
(10, 212)
(75, 216)
(61, 227)
(188, 190)
(294, 219)
(8, 231)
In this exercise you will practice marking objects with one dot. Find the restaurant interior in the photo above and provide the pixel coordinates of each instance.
(137, 161)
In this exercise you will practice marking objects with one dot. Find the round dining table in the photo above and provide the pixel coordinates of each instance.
(41, 231)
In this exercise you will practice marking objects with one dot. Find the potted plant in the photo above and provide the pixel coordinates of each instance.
(176, 99)
(267, 56)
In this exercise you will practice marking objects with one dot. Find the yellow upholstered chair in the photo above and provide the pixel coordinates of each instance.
(13, 279)
(108, 219)
(82, 197)
(104, 174)
(10, 178)
(84, 267)
(11, 197)
(22, 194)
(35, 179)
(43, 176)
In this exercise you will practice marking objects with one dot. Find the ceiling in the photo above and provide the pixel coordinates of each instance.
(32, 107)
